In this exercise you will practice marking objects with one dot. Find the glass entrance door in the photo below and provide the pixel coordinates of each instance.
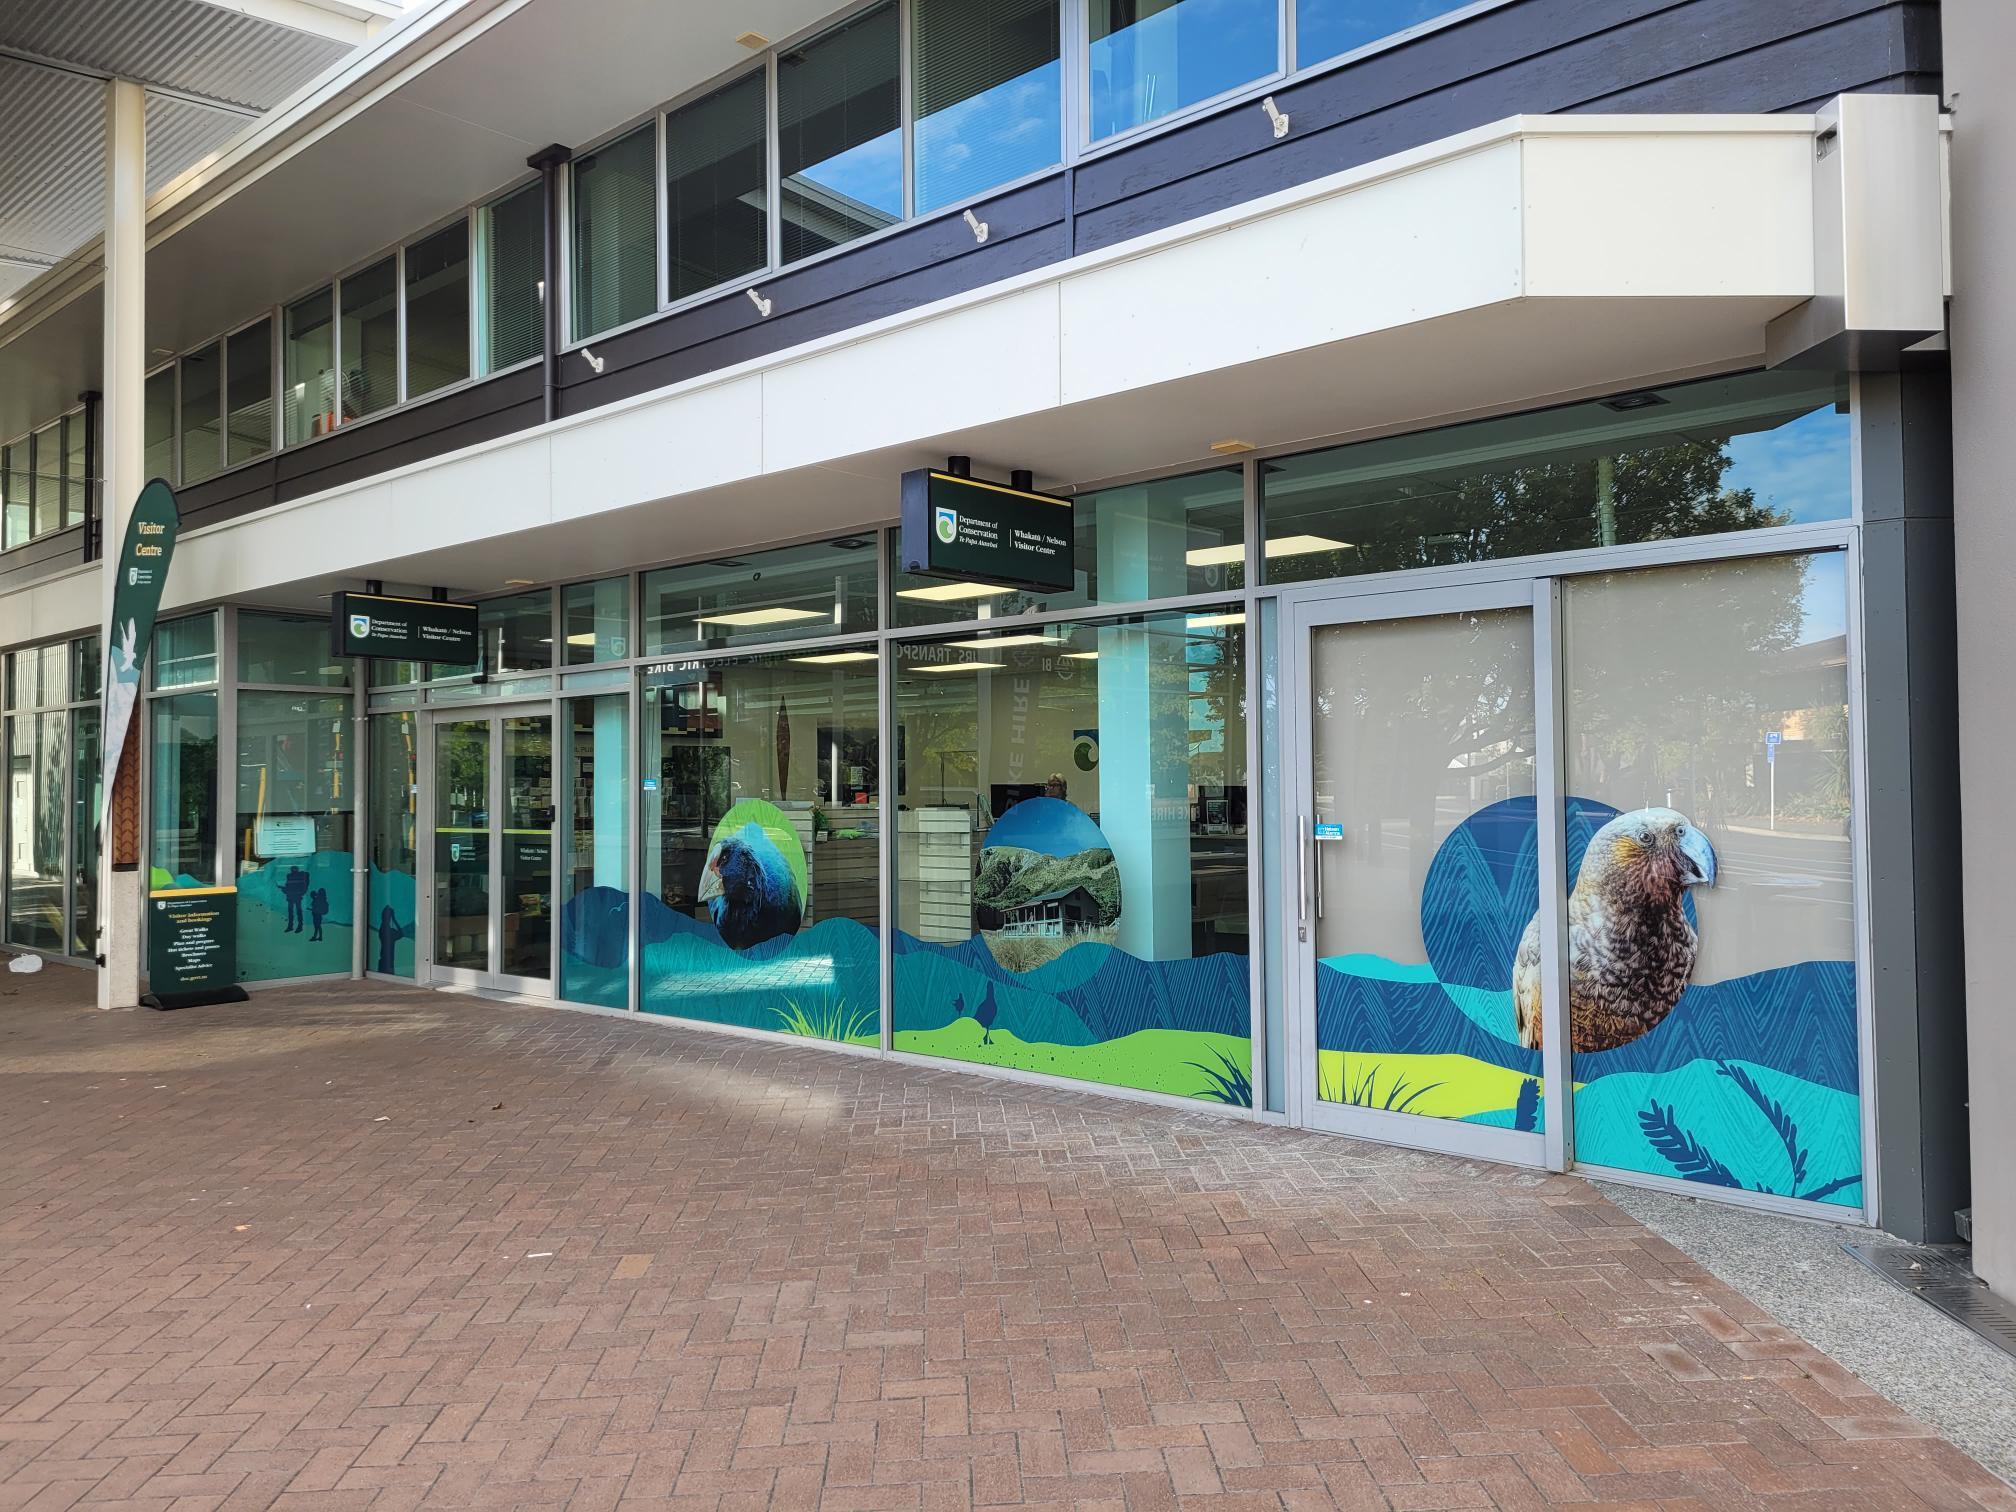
(491, 888)
(1416, 929)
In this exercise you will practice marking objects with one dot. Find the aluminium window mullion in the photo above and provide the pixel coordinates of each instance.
(335, 356)
(773, 166)
(906, 111)
(399, 325)
(661, 239)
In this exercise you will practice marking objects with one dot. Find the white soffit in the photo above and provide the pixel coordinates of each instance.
(1440, 280)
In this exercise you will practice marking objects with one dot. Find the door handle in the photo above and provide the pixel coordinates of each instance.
(1319, 882)
(1302, 875)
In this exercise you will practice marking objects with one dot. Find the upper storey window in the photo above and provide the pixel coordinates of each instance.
(840, 139)
(1330, 28)
(1151, 58)
(614, 274)
(988, 86)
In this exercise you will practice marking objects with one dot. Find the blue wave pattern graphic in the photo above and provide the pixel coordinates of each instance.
(1713, 1071)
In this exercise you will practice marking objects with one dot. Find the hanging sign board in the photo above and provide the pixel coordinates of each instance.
(403, 629)
(192, 947)
(971, 530)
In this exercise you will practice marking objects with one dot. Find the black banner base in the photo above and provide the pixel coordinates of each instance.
(169, 1000)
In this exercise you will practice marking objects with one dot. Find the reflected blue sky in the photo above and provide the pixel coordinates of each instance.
(1183, 53)
(869, 173)
(1325, 28)
(996, 136)
(1801, 468)
(1825, 600)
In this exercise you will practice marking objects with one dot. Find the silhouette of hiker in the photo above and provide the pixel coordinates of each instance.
(294, 889)
(318, 907)
(388, 941)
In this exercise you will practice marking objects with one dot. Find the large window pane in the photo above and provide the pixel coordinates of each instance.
(392, 834)
(760, 857)
(157, 436)
(75, 428)
(86, 784)
(1325, 28)
(293, 839)
(48, 467)
(595, 918)
(185, 651)
(369, 336)
(290, 649)
(614, 273)
(515, 633)
(37, 816)
(39, 676)
(249, 376)
(1153, 57)
(824, 588)
(1730, 454)
(201, 414)
(1071, 853)
(716, 177)
(512, 311)
(17, 486)
(437, 310)
(596, 620)
(989, 94)
(308, 402)
(840, 146)
(1163, 539)
(1708, 778)
(182, 786)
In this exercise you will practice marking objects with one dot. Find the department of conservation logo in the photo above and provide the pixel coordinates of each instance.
(947, 525)
(360, 626)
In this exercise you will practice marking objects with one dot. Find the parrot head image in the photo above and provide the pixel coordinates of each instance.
(1630, 947)
(749, 888)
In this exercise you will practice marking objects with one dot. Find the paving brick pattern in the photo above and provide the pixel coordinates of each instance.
(358, 1247)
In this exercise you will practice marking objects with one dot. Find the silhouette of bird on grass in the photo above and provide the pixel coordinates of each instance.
(984, 1014)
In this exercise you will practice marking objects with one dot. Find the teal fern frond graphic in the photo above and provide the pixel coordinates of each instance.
(1774, 1112)
(1230, 1086)
(1682, 1150)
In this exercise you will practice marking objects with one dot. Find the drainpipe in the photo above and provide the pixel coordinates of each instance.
(549, 161)
(92, 399)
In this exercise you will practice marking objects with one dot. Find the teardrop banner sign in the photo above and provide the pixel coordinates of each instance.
(136, 598)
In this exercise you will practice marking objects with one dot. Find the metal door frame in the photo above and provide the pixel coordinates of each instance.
(491, 978)
(1303, 613)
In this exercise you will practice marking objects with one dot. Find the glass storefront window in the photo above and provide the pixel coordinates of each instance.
(1728, 454)
(248, 377)
(792, 593)
(437, 310)
(717, 188)
(1163, 539)
(1072, 854)
(17, 484)
(87, 668)
(614, 275)
(308, 368)
(1330, 28)
(201, 413)
(368, 339)
(86, 787)
(1708, 780)
(292, 650)
(392, 833)
(989, 95)
(595, 845)
(37, 817)
(39, 676)
(840, 142)
(157, 436)
(595, 618)
(293, 868)
(185, 651)
(511, 314)
(1150, 58)
(182, 787)
(760, 850)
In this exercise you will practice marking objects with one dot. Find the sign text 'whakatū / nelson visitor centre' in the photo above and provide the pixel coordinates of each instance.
(403, 629)
(967, 528)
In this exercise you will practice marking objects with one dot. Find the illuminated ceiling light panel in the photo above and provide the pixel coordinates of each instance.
(743, 619)
(989, 642)
(581, 638)
(1207, 621)
(1081, 656)
(835, 658)
(946, 593)
(1296, 545)
(963, 667)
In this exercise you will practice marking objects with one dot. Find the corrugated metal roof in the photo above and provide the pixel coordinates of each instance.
(178, 44)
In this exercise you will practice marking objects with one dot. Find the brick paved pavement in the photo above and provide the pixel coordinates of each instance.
(348, 1248)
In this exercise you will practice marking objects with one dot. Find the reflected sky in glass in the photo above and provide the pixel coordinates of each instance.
(993, 138)
(1325, 28)
(1801, 468)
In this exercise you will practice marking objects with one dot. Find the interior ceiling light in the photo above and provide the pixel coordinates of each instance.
(989, 642)
(1208, 621)
(834, 658)
(753, 40)
(964, 667)
(1295, 545)
(1230, 447)
(742, 619)
(945, 593)
(1081, 656)
(581, 638)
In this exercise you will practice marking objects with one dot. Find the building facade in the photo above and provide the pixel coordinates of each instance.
(1508, 643)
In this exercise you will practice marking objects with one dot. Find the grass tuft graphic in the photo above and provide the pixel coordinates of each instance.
(829, 1020)
(1231, 1085)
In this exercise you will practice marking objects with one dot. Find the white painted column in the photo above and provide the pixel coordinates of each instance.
(123, 381)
